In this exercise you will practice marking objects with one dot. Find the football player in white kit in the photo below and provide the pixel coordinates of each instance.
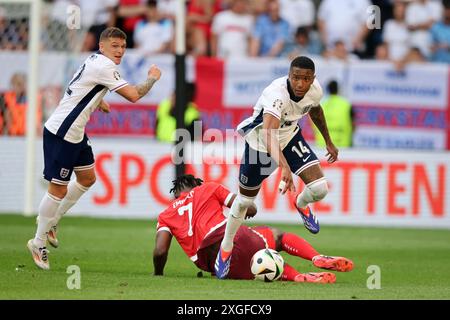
(67, 149)
(273, 139)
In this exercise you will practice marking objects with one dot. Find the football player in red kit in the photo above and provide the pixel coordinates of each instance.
(197, 221)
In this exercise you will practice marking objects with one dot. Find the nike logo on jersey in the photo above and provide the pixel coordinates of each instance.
(306, 159)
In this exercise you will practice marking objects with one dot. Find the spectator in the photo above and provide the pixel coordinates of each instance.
(298, 13)
(306, 43)
(226, 4)
(129, 14)
(382, 52)
(396, 34)
(14, 105)
(199, 20)
(340, 53)
(257, 7)
(3, 30)
(440, 34)
(270, 32)
(339, 116)
(231, 31)
(414, 55)
(166, 123)
(420, 17)
(343, 20)
(381, 12)
(2, 107)
(153, 35)
(96, 16)
(167, 9)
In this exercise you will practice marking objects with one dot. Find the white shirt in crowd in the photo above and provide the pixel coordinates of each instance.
(233, 32)
(95, 12)
(397, 36)
(151, 36)
(275, 100)
(59, 10)
(419, 13)
(167, 7)
(290, 9)
(343, 20)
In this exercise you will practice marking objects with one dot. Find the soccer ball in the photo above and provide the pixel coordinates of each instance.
(267, 265)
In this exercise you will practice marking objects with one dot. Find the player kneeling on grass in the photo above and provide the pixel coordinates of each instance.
(197, 221)
(67, 148)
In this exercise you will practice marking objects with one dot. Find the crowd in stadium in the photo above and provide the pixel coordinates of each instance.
(346, 30)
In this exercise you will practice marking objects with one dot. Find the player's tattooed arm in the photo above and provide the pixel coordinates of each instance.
(161, 251)
(318, 118)
(153, 75)
(134, 93)
(143, 88)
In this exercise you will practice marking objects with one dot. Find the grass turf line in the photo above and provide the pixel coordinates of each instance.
(115, 259)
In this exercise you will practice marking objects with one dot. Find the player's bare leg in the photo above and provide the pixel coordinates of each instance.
(236, 216)
(316, 189)
(76, 188)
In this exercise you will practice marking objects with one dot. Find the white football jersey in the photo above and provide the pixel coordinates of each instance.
(276, 101)
(88, 86)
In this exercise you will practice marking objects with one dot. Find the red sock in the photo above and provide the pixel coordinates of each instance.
(296, 246)
(289, 273)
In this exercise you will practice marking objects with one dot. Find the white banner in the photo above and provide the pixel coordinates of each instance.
(399, 138)
(375, 83)
(377, 188)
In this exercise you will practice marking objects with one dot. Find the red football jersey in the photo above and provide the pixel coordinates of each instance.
(195, 214)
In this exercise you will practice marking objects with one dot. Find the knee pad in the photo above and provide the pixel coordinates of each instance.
(318, 188)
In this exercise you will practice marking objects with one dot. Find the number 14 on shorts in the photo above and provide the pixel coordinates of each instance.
(301, 150)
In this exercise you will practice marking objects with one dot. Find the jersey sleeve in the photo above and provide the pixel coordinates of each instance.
(221, 193)
(162, 226)
(110, 77)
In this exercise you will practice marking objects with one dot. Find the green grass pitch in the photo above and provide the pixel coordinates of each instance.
(115, 259)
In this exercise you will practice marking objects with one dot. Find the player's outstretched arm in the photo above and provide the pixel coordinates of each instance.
(162, 245)
(134, 93)
(318, 118)
(271, 125)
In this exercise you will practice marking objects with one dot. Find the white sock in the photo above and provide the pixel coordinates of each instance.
(47, 211)
(314, 191)
(235, 218)
(74, 193)
(305, 198)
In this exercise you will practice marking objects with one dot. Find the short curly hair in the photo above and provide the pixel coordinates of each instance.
(185, 181)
